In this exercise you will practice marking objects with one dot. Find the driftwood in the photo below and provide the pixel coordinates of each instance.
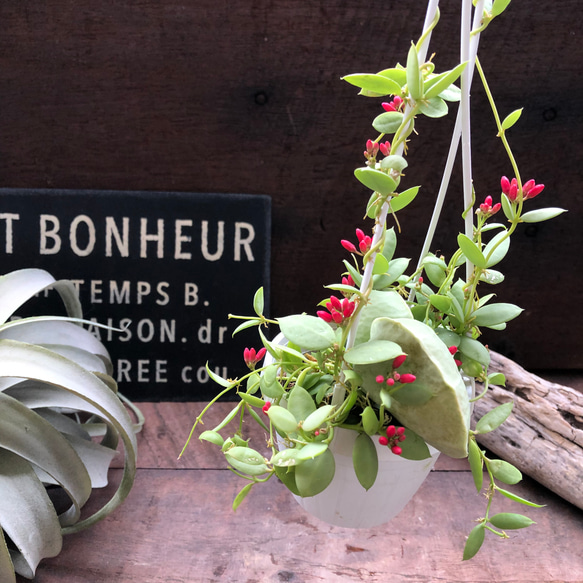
(543, 437)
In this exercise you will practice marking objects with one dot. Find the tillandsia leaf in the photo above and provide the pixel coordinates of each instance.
(494, 418)
(474, 541)
(510, 521)
(471, 251)
(414, 77)
(376, 84)
(309, 332)
(476, 463)
(494, 314)
(259, 302)
(376, 180)
(434, 107)
(27, 515)
(23, 360)
(497, 249)
(365, 460)
(388, 122)
(505, 472)
(314, 475)
(539, 215)
(17, 287)
(475, 350)
(414, 447)
(300, 403)
(404, 198)
(45, 447)
(511, 119)
(515, 498)
(373, 351)
(316, 419)
(435, 85)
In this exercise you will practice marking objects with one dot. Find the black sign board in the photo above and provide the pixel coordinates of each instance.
(167, 267)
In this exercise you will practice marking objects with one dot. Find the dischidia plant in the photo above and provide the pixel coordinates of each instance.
(389, 354)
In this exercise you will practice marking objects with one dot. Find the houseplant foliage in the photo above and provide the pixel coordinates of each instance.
(61, 421)
(386, 354)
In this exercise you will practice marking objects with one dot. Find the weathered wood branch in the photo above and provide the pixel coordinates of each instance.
(543, 437)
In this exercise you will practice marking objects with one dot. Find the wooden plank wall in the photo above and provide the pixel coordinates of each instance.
(245, 96)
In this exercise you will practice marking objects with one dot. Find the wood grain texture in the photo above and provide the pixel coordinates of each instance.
(177, 527)
(543, 437)
(245, 96)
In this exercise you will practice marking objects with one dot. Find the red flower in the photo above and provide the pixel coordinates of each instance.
(509, 187)
(252, 357)
(338, 310)
(530, 189)
(487, 209)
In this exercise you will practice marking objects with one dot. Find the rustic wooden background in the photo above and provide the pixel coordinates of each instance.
(245, 96)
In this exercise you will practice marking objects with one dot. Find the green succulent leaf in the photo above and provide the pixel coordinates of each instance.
(308, 332)
(370, 421)
(471, 251)
(511, 119)
(316, 419)
(373, 351)
(476, 463)
(414, 77)
(442, 303)
(242, 495)
(365, 460)
(414, 447)
(508, 207)
(510, 521)
(376, 84)
(494, 418)
(475, 350)
(435, 107)
(300, 403)
(515, 498)
(212, 437)
(403, 199)
(381, 265)
(397, 74)
(539, 215)
(494, 314)
(497, 249)
(412, 394)
(505, 472)
(388, 122)
(376, 180)
(259, 302)
(441, 82)
(269, 384)
(284, 421)
(247, 461)
(499, 6)
(474, 541)
(314, 475)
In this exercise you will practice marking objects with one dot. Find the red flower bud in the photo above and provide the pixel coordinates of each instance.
(360, 235)
(326, 316)
(505, 184)
(380, 379)
(391, 431)
(399, 360)
(452, 350)
(512, 193)
(400, 431)
(408, 378)
(396, 450)
(266, 407)
(335, 303)
(390, 382)
(536, 189)
(337, 316)
(383, 440)
(348, 246)
(385, 148)
(388, 106)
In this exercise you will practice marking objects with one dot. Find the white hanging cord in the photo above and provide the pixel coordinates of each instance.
(453, 148)
(338, 395)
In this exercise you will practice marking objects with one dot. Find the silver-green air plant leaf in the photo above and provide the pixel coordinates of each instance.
(60, 424)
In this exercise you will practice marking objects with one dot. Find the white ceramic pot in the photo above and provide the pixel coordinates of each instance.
(346, 503)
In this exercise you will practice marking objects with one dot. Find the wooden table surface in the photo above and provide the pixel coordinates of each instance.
(177, 526)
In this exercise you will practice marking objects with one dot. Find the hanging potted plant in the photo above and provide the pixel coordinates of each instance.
(61, 421)
(358, 399)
